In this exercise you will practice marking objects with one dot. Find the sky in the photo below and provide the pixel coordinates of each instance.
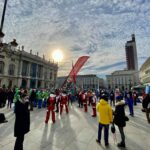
(97, 28)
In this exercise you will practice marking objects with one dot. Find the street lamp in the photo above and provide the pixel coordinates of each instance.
(3, 15)
(13, 44)
(2, 22)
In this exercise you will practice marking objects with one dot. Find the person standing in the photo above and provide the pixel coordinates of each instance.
(57, 93)
(119, 119)
(31, 99)
(134, 96)
(130, 103)
(146, 106)
(94, 100)
(51, 107)
(105, 118)
(112, 98)
(84, 101)
(22, 120)
(63, 102)
(10, 97)
(80, 99)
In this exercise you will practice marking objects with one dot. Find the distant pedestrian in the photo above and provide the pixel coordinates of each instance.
(112, 98)
(94, 100)
(32, 99)
(134, 96)
(105, 118)
(22, 121)
(146, 106)
(10, 97)
(129, 101)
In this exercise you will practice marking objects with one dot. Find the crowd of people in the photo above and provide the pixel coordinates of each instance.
(108, 104)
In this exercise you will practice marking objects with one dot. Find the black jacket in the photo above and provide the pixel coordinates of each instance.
(146, 101)
(10, 95)
(22, 121)
(119, 114)
(32, 96)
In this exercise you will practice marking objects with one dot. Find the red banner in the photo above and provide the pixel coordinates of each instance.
(78, 65)
(76, 68)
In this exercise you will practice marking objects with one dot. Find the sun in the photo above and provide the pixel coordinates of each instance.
(57, 55)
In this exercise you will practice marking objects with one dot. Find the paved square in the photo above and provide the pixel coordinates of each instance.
(74, 131)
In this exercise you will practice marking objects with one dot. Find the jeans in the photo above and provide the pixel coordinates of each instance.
(106, 130)
(19, 143)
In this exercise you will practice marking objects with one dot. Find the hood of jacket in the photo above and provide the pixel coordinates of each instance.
(103, 102)
(122, 102)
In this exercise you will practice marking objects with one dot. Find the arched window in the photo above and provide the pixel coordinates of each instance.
(11, 70)
(1, 67)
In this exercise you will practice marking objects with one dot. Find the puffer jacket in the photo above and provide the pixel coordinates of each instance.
(119, 114)
(105, 112)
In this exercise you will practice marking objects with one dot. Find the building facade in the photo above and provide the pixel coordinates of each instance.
(145, 72)
(131, 54)
(22, 69)
(84, 81)
(123, 79)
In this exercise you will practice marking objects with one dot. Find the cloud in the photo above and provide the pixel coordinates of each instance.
(99, 28)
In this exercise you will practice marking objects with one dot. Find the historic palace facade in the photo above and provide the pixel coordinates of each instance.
(22, 69)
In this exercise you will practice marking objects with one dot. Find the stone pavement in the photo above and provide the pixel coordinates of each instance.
(75, 131)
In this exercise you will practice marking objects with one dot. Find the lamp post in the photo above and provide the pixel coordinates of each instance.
(13, 44)
(2, 21)
(3, 15)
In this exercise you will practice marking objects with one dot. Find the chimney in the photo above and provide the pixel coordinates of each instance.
(43, 56)
(30, 51)
(37, 54)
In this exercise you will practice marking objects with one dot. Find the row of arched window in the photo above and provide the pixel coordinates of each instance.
(11, 68)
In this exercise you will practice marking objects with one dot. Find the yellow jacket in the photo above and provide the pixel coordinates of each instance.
(105, 112)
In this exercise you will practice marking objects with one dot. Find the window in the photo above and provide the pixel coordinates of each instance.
(11, 70)
(40, 71)
(25, 68)
(33, 70)
(1, 67)
(45, 75)
(51, 75)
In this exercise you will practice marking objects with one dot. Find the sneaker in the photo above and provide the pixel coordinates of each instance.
(121, 145)
(98, 141)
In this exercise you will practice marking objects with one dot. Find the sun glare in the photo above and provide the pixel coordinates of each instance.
(57, 55)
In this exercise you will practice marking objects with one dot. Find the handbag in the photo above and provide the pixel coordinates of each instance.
(126, 118)
(113, 129)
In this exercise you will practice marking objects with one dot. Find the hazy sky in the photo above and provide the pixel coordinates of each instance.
(98, 28)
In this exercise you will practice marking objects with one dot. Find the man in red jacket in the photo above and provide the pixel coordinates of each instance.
(51, 107)
(63, 102)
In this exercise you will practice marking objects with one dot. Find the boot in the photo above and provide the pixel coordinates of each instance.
(121, 144)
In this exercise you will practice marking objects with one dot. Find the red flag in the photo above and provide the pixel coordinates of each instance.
(80, 62)
(76, 68)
